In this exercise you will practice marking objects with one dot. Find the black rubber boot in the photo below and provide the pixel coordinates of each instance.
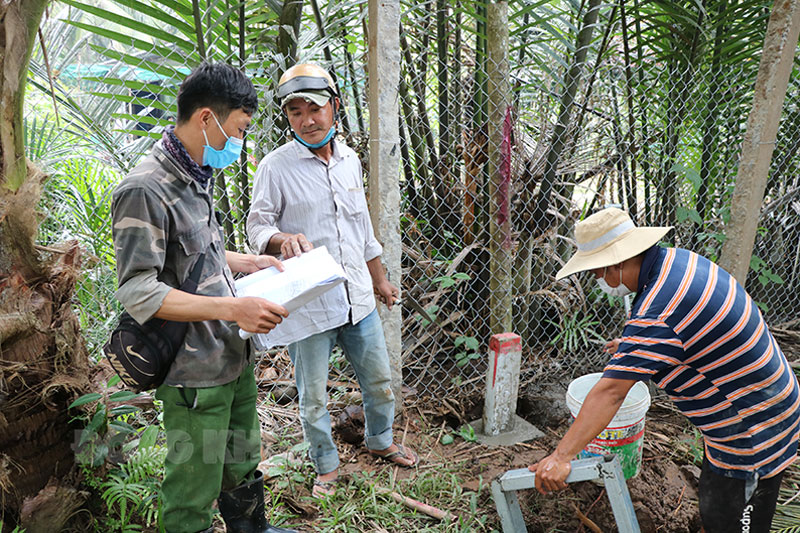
(242, 508)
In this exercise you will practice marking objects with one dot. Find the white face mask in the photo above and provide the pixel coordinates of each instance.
(619, 290)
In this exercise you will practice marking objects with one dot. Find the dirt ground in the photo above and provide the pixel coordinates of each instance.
(664, 493)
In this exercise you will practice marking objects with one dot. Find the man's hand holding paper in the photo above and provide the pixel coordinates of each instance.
(258, 315)
(295, 245)
(304, 278)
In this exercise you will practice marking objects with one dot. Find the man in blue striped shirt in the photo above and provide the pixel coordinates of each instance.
(697, 334)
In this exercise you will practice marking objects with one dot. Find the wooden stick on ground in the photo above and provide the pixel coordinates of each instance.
(393, 475)
(585, 520)
(417, 505)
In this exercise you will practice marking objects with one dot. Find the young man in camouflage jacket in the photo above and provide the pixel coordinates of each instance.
(163, 222)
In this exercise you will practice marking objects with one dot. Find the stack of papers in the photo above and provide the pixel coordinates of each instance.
(305, 277)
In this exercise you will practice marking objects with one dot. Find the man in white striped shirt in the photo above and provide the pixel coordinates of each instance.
(309, 192)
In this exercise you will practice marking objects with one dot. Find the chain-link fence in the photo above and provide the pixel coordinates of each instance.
(646, 123)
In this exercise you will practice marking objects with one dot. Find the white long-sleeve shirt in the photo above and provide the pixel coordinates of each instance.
(297, 192)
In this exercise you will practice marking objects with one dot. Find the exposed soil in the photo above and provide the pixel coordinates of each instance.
(664, 493)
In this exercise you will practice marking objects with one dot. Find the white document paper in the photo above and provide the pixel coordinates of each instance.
(304, 278)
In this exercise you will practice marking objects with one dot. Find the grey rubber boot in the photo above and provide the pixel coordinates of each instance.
(242, 508)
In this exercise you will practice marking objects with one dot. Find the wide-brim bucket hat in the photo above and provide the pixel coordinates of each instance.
(607, 238)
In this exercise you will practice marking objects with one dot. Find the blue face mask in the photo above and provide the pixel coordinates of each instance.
(320, 144)
(229, 153)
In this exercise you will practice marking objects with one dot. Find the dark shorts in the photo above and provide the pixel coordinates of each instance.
(723, 508)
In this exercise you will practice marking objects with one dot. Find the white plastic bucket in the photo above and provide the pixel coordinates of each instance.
(624, 435)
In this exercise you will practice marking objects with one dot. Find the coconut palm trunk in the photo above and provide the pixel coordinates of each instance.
(43, 361)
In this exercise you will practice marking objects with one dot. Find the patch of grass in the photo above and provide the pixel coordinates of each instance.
(359, 505)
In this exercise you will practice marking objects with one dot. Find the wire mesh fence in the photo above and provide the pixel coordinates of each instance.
(621, 123)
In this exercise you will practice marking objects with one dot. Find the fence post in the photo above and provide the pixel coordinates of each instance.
(500, 425)
(384, 163)
(777, 59)
(502, 383)
(499, 164)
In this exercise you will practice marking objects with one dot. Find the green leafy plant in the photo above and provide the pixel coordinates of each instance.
(337, 359)
(133, 490)
(765, 275)
(446, 282)
(106, 428)
(120, 457)
(467, 432)
(289, 469)
(576, 333)
(469, 349)
(432, 311)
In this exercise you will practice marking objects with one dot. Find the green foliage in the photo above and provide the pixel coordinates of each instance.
(133, 490)
(467, 432)
(446, 282)
(118, 434)
(80, 202)
(290, 471)
(696, 446)
(469, 349)
(362, 505)
(337, 359)
(107, 425)
(576, 332)
(685, 213)
(432, 310)
(77, 199)
(765, 275)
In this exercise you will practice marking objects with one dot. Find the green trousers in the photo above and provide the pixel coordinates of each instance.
(214, 443)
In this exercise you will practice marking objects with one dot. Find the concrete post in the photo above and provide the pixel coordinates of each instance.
(780, 44)
(502, 383)
(384, 163)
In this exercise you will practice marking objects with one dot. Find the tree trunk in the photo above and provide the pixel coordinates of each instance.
(500, 242)
(224, 205)
(44, 363)
(558, 141)
(242, 174)
(633, 207)
(647, 217)
(758, 144)
(290, 16)
(566, 189)
(426, 133)
(198, 29)
(408, 174)
(329, 58)
(351, 72)
(418, 146)
(679, 96)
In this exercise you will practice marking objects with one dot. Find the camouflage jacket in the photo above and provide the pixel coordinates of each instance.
(162, 221)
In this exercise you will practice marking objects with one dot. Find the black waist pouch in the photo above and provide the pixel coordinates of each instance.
(141, 354)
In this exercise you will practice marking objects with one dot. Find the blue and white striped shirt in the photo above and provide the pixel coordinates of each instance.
(699, 336)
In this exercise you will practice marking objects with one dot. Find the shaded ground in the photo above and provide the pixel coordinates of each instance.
(664, 493)
(454, 477)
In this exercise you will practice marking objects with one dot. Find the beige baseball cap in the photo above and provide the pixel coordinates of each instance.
(317, 97)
